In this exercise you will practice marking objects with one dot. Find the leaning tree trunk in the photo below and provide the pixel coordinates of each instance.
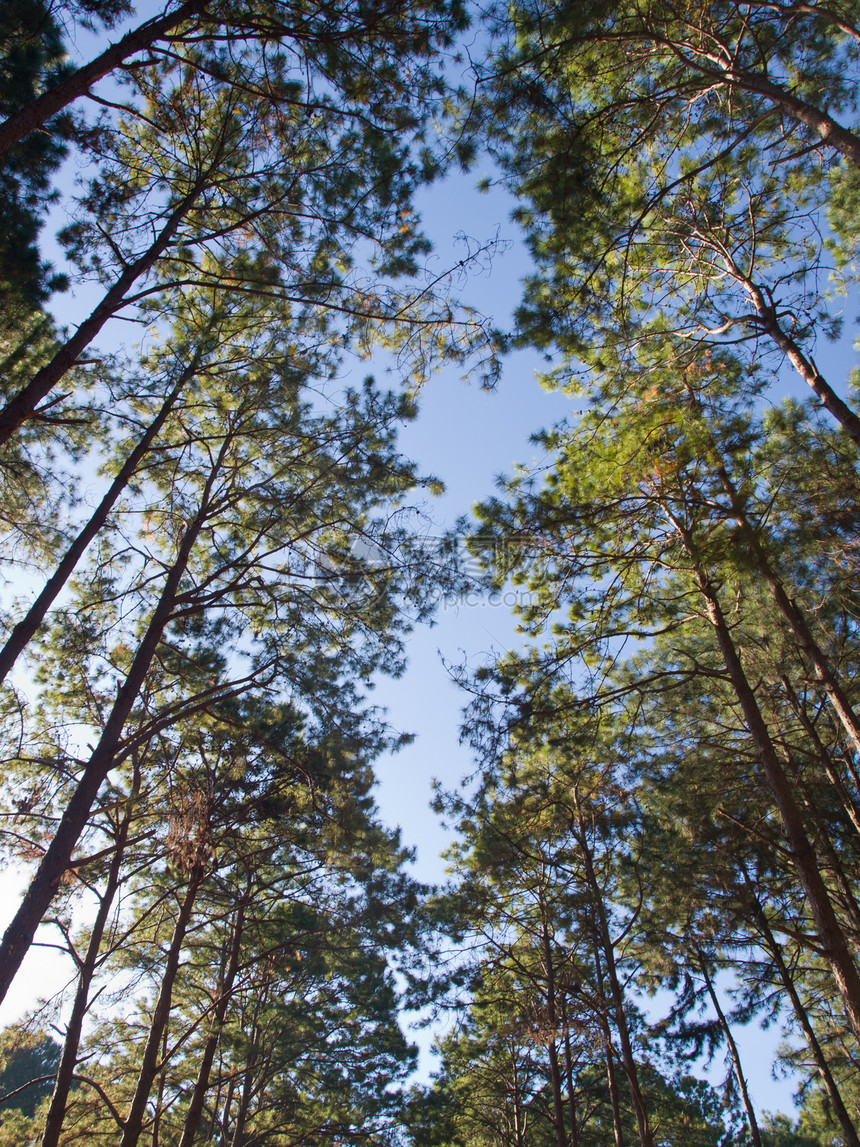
(149, 1064)
(69, 1058)
(36, 114)
(58, 855)
(834, 945)
(225, 995)
(26, 629)
(735, 1055)
(788, 608)
(829, 130)
(23, 405)
(768, 322)
(824, 843)
(827, 762)
(774, 950)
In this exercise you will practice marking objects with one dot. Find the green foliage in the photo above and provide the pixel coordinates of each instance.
(214, 622)
(32, 58)
(28, 1062)
(780, 1131)
(667, 798)
(687, 679)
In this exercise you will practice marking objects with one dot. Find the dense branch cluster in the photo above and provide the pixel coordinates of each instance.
(668, 789)
(209, 552)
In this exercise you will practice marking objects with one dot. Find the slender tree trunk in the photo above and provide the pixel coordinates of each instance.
(25, 630)
(823, 841)
(19, 408)
(621, 1026)
(69, 1059)
(571, 1089)
(159, 1093)
(225, 1117)
(149, 1061)
(516, 1101)
(774, 950)
(797, 623)
(611, 1081)
(247, 1091)
(201, 1086)
(552, 1051)
(789, 609)
(824, 756)
(737, 1066)
(834, 945)
(39, 111)
(852, 771)
(58, 855)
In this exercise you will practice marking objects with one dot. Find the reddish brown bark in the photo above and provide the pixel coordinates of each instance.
(49, 103)
(149, 1064)
(26, 629)
(58, 855)
(832, 940)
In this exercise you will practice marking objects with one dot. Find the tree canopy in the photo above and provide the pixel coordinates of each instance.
(209, 554)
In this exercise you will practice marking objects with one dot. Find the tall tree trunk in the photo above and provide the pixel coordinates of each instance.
(201, 1086)
(21, 407)
(517, 1101)
(823, 754)
(69, 1058)
(58, 855)
(568, 1067)
(834, 945)
(225, 1116)
(789, 609)
(28, 626)
(247, 1092)
(823, 842)
(774, 950)
(603, 1020)
(621, 1025)
(737, 1066)
(37, 113)
(149, 1062)
(159, 1093)
(552, 1050)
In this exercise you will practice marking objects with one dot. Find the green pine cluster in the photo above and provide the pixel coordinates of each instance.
(209, 553)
